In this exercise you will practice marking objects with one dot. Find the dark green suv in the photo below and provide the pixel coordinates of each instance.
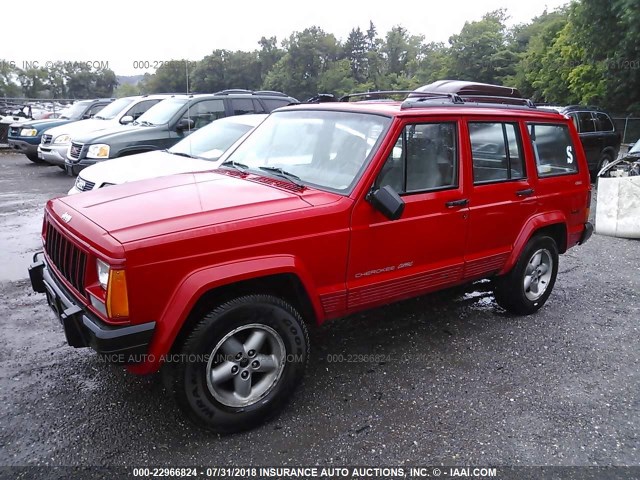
(166, 123)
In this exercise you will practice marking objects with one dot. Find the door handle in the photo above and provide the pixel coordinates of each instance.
(457, 203)
(525, 193)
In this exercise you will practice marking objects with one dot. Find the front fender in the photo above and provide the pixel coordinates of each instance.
(533, 224)
(201, 281)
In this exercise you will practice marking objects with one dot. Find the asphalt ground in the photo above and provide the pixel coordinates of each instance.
(445, 379)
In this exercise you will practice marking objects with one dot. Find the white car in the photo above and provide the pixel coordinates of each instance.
(198, 152)
(55, 141)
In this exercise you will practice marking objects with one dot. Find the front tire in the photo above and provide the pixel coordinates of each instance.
(240, 364)
(526, 288)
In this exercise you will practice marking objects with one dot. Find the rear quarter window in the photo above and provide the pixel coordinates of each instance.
(553, 149)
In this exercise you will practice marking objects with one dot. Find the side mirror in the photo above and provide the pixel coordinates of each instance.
(86, 116)
(185, 124)
(387, 202)
(126, 120)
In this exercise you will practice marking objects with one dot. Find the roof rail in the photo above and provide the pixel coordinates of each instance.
(270, 92)
(384, 95)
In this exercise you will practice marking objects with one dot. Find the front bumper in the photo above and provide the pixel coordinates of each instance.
(53, 154)
(74, 167)
(24, 146)
(127, 344)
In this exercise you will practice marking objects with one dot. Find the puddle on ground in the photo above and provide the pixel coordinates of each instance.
(19, 240)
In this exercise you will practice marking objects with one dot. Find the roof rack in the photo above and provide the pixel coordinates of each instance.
(231, 91)
(384, 95)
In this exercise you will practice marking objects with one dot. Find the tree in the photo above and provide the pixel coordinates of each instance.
(355, 51)
(173, 76)
(8, 75)
(479, 52)
(310, 54)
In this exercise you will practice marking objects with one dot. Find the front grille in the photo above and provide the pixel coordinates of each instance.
(76, 149)
(14, 131)
(84, 185)
(46, 139)
(70, 261)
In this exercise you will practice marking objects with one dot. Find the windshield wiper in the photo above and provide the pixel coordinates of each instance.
(280, 172)
(238, 166)
(143, 123)
(181, 154)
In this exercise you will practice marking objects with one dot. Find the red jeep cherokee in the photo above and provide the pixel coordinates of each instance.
(324, 210)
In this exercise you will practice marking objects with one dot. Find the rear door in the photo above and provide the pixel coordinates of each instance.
(424, 249)
(502, 196)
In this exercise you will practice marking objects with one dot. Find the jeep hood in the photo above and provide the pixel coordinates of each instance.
(159, 206)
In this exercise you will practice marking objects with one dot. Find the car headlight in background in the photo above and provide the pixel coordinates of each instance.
(99, 150)
(103, 273)
(28, 132)
(62, 139)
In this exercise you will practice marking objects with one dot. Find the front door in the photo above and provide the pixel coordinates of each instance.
(424, 249)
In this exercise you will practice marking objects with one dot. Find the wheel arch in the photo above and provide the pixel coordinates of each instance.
(283, 276)
(552, 224)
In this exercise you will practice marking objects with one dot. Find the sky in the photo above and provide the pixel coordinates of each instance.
(134, 36)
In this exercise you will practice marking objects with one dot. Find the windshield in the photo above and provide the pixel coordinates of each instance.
(75, 111)
(326, 149)
(162, 111)
(635, 148)
(110, 111)
(212, 141)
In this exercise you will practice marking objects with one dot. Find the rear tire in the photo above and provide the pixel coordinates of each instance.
(34, 158)
(526, 288)
(240, 364)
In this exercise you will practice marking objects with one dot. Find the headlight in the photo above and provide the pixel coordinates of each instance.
(103, 273)
(28, 132)
(98, 151)
(62, 139)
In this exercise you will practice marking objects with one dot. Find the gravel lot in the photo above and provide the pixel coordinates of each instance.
(456, 381)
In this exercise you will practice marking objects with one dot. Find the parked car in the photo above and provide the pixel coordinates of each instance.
(55, 141)
(196, 153)
(321, 211)
(618, 200)
(598, 134)
(166, 123)
(26, 136)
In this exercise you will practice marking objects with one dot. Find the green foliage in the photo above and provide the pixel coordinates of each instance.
(127, 90)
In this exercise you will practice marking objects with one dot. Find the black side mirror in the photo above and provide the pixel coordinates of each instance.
(185, 124)
(387, 202)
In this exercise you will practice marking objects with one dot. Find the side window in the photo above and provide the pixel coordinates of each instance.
(273, 103)
(240, 106)
(257, 107)
(424, 158)
(95, 109)
(554, 151)
(586, 122)
(205, 112)
(604, 122)
(496, 151)
(141, 107)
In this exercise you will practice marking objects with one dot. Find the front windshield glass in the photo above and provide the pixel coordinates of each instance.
(325, 149)
(211, 141)
(635, 148)
(75, 111)
(114, 108)
(162, 111)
